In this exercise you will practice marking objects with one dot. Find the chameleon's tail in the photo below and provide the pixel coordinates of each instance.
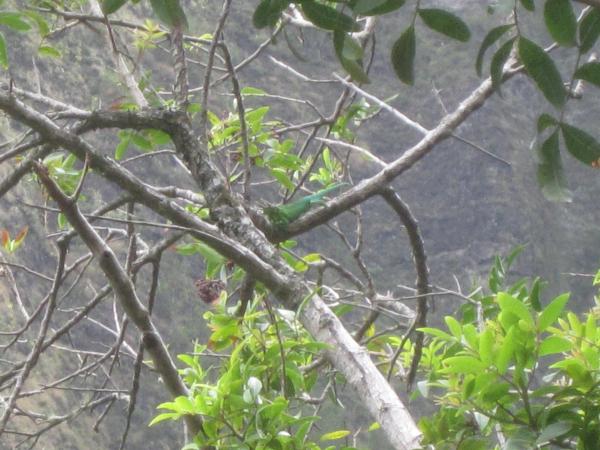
(317, 196)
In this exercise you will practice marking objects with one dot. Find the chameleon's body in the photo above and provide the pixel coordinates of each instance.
(281, 216)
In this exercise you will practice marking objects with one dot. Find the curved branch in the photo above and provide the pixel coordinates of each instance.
(420, 260)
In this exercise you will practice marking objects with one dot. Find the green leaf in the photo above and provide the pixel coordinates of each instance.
(111, 6)
(528, 5)
(281, 176)
(164, 416)
(589, 72)
(554, 344)
(335, 435)
(158, 137)
(122, 146)
(506, 351)
(446, 23)
(510, 304)
(374, 426)
(248, 90)
(210, 255)
(403, 56)
(267, 13)
(40, 21)
(47, 50)
(550, 173)
(493, 35)
(553, 431)
(454, 326)
(581, 145)
(3, 53)
(545, 121)
(349, 53)
(534, 294)
(376, 7)
(542, 70)
(486, 345)
(14, 20)
(552, 311)
(327, 17)
(436, 332)
(561, 21)
(141, 142)
(170, 13)
(498, 61)
(589, 30)
(463, 365)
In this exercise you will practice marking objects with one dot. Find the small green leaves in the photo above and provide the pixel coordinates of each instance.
(542, 70)
(446, 23)
(111, 6)
(403, 56)
(581, 145)
(267, 13)
(589, 30)
(3, 53)
(376, 7)
(327, 17)
(550, 172)
(589, 72)
(560, 21)
(493, 35)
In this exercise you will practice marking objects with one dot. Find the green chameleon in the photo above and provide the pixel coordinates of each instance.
(281, 216)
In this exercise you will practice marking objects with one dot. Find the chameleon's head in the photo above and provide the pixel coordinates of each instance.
(276, 217)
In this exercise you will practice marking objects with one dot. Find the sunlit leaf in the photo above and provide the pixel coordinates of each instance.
(506, 351)
(335, 435)
(14, 20)
(552, 311)
(3, 53)
(553, 345)
(47, 50)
